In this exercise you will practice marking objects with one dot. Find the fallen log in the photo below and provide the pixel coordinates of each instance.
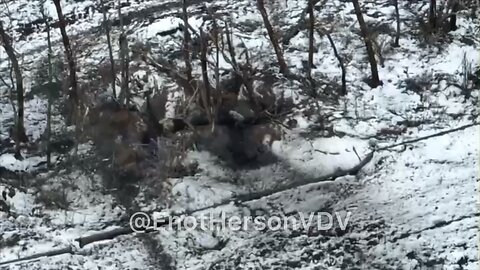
(82, 241)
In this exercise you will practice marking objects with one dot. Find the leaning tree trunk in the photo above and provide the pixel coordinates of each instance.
(110, 50)
(343, 90)
(74, 95)
(375, 80)
(273, 38)
(19, 135)
(186, 50)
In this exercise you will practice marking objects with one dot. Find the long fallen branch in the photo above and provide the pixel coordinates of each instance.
(51, 253)
(245, 198)
(427, 137)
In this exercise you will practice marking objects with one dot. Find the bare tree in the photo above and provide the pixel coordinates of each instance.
(48, 130)
(432, 14)
(397, 16)
(205, 93)
(340, 61)
(216, 98)
(299, 25)
(311, 38)
(186, 50)
(125, 62)
(375, 80)
(74, 95)
(11, 89)
(107, 25)
(273, 38)
(231, 49)
(19, 134)
(454, 6)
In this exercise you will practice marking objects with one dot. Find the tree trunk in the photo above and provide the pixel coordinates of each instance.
(397, 15)
(340, 62)
(298, 26)
(205, 93)
(19, 134)
(432, 14)
(110, 50)
(186, 50)
(453, 18)
(124, 56)
(273, 38)
(74, 95)
(311, 38)
(375, 80)
(231, 49)
(48, 130)
(125, 60)
(216, 97)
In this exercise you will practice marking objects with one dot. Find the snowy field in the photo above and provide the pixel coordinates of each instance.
(411, 207)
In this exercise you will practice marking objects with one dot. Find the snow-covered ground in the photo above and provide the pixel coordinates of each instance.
(411, 207)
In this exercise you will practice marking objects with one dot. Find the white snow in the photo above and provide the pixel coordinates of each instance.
(413, 207)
